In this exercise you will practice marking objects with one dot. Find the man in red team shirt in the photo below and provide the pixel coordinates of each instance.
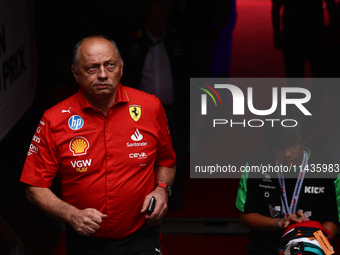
(110, 148)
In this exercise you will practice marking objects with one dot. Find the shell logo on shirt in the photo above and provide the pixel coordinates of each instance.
(135, 112)
(79, 146)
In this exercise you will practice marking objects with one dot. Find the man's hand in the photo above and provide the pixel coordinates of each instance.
(86, 222)
(292, 218)
(161, 206)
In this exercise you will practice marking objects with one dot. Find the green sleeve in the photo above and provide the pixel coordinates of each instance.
(337, 194)
(242, 191)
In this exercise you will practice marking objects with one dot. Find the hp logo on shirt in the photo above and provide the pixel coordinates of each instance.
(75, 122)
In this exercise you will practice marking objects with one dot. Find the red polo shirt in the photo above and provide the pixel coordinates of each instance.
(102, 162)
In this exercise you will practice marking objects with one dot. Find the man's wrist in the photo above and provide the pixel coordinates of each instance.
(70, 214)
(279, 223)
(161, 190)
(164, 186)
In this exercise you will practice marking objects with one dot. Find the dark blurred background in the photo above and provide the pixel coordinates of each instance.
(59, 25)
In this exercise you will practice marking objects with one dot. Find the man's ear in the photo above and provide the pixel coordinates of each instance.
(74, 73)
(121, 68)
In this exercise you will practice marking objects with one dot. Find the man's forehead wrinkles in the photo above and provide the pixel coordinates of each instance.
(97, 58)
(101, 57)
(90, 55)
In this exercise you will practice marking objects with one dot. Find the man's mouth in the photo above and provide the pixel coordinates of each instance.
(102, 86)
(291, 162)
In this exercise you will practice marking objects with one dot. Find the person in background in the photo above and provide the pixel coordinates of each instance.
(157, 61)
(270, 201)
(301, 37)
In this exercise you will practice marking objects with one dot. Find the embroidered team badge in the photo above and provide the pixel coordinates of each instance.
(135, 112)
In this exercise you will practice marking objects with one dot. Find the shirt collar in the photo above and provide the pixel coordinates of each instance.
(121, 97)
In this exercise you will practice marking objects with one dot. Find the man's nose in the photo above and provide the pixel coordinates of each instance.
(287, 153)
(102, 73)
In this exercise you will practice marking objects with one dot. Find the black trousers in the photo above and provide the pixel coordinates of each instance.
(142, 242)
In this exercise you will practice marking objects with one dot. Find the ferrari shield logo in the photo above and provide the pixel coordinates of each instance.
(135, 112)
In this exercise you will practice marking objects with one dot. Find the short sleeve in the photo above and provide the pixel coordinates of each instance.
(333, 201)
(41, 163)
(337, 195)
(165, 153)
(245, 201)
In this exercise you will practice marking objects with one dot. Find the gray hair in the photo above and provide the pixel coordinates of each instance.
(75, 59)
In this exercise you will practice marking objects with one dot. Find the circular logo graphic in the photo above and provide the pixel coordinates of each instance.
(75, 122)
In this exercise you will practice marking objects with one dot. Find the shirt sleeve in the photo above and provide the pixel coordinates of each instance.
(333, 201)
(41, 163)
(245, 200)
(165, 153)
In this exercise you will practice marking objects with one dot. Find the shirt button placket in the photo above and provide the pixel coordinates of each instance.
(107, 136)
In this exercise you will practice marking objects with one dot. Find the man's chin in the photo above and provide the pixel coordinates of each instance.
(105, 92)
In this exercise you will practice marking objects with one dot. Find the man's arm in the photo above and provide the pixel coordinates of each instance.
(163, 175)
(276, 20)
(331, 227)
(261, 222)
(85, 222)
